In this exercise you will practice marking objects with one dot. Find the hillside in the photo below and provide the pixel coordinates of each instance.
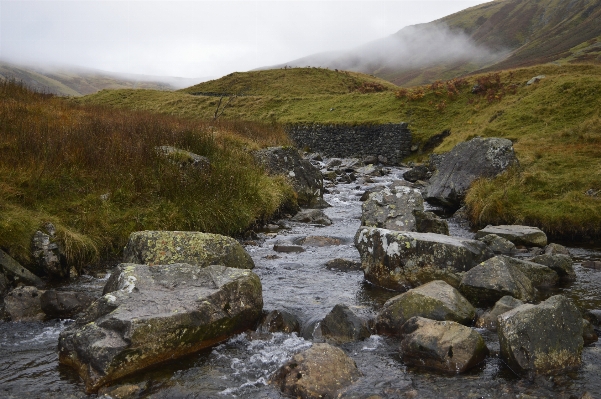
(79, 81)
(499, 35)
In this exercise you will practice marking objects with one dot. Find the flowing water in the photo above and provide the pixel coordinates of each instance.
(301, 284)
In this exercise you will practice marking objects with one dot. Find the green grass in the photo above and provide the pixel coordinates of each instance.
(96, 174)
(554, 124)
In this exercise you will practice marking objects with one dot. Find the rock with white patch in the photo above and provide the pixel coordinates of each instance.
(402, 260)
(392, 208)
(149, 314)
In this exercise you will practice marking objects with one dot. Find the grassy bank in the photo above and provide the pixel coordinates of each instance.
(95, 173)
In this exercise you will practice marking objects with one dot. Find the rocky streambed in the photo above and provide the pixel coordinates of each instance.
(306, 270)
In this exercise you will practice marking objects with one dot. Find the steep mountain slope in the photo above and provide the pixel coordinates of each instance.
(498, 35)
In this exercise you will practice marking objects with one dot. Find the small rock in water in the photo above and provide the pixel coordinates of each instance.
(319, 241)
(288, 248)
(314, 216)
(489, 319)
(280, 321)
(343, 325)
(343, 264)
(592, 264)
(64, 304)
(24, 304)
(561, 264)
(588, 333)
(556, 249)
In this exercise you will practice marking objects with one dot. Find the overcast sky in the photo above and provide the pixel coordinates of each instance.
(198, 38)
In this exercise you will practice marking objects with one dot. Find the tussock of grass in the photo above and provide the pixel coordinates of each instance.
(95, 173)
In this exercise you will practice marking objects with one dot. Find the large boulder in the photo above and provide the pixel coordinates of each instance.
(435, 300)
(543, 338)
(489, 319)
(149, 314)
(14, 271)
(493, 279)
(441, 345)
(498, 244)
(540, 275)
(343, 325)
(560, 263)
(23, 304)
(468, 161)
(64, 304)
(402, 260)
(201, 249)
(392, 208)
(519, 235)
(318, 372)
(306, 179)
(47, 253)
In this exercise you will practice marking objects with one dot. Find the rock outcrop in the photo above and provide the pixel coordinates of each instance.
(402, 260)
(441, 345)
(435, 300)
(519, 235)
(392, 208)
(149, 314)
(343, 325)
(201, 249)
(468, 161)
(542, 339)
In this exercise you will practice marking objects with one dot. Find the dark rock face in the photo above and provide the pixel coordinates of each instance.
(279, 321)
(306, 180)
(201, 249)
(498, 244)
(468, 161)
(343, 325)
(64, 304)
(542, 339)
(149, 314)
(561, 264)
(489, 319)
(13, 270)
(419, 172)
(313, 216)
(23, 304)
(519, 235)
(493, 279)
(428, 222)
(441, 345)
(47, 253)
(392, 208)
(319, 372)
(4, 285)
(435, 300)
(402, 260)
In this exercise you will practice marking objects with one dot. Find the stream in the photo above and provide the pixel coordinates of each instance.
(301, 284)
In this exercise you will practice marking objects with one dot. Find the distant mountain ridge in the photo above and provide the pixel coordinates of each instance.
(498, 35)
(73, 81)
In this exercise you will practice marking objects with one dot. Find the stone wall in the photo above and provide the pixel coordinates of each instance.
(392, 141)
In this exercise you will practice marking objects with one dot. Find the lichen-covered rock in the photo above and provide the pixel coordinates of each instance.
(64, 304)
(498, 244)
(343, 325)
(428, 222)
(435, 300)
(468, 161)
(540, 275)
(47, 253)
(23, 304)
(306, 179)
(519, 235)
(149, 314)
(317, 373)
(392, 208)
(402, 260)
(201, 249)
(14, 271)
(313, 216)
(489, 319)
(279, 321)
(441, 345)
(544, 338)
(560, 263)
(493, 279)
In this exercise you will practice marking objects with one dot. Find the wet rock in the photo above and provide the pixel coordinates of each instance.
(315, 156)
(435, 300)
(419, 172)
(23, 304)
(392, 208)
(498, 244)
(313, 216)
(329, 174)
(542, 339)
(306, 179)
(468, 161)
(592, 264)
(365, 196)
(47, 253)
(123, 391)
(493, 279)
(288, 248)
(343, 325)
(370, 170)
(556, 249)
(64, 304)
(183, 158)
(280, 321)
(594, 316)
(319, 372)
(332, 163)
(428, 222)
(343, 265)
(14, 271)
(441, 345)
(588, 333)
(149, 314)
(318, 241)
(561, 264)
(370, 159)
(489, 319)
(402, 260)
(540, 275)
(519, 235)
(201, 249)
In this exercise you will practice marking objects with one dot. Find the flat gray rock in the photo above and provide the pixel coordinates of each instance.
(519, 235)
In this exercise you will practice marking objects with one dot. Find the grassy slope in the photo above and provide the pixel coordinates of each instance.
(555, 125)
(59, 160)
